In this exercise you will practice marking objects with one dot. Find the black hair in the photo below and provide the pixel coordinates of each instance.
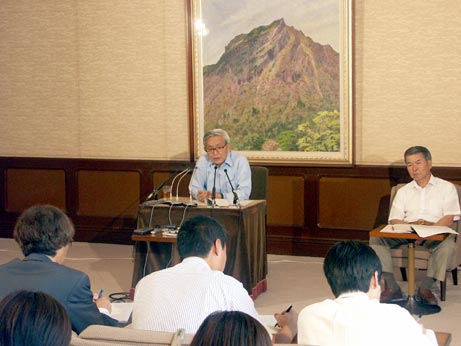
(197, 236)
(229, 328)
(43, 229)
(349, 266)
(416, 150)
(33, 318)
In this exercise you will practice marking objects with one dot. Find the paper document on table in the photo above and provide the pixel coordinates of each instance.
(398, 228)
(423, 231)
(121, 311)
(426, 231)
(269, 322)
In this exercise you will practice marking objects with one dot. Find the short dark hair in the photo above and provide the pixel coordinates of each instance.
(197, 235)
(229, 328)
(43, 229)
(349, 266)
(33, 318)
(416, 150)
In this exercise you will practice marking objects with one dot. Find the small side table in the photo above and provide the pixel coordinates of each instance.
(412, 305)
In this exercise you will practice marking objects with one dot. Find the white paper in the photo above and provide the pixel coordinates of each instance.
(398, 228)
(269, 322)
(121, 311)
(423, 231)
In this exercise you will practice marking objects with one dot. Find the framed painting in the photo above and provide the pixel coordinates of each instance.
(276, 75)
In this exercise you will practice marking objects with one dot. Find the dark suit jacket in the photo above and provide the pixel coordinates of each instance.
(70, 287)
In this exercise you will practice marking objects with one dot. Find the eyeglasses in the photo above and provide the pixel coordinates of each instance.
(218, 149)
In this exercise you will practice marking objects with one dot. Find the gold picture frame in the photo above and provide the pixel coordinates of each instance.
(226, 19)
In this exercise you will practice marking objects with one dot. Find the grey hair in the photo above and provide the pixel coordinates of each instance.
(214, 133)
(416, 150)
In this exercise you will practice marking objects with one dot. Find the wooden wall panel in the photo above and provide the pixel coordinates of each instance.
(27, 187)
(108, 193)
(350, 202)
(309, 208)
(285, 203)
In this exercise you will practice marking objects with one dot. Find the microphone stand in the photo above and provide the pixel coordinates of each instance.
(213, 191)
(236, 197)
(174, 179)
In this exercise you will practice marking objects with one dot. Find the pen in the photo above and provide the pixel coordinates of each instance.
(101, 292)
(287, 310)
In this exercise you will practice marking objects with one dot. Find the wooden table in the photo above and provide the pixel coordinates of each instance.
(415, 307)
(245, 245)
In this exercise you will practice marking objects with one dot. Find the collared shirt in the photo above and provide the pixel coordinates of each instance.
(353, 319)
(239, 172)
(437, 199)
(184, 295)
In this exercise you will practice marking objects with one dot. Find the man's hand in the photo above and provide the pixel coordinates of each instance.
(288, 322)
(104, 303)
(202, 195)
(421, 222)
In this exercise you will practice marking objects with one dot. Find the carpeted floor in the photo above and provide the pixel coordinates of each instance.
(292, 280)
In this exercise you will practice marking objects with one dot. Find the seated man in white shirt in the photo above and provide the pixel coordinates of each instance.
(425, 200)
(356, 317)
(184, 295)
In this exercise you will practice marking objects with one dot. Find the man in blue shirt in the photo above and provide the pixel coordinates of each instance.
(219, 161)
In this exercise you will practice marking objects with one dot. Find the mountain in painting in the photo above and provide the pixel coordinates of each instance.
(272, 88)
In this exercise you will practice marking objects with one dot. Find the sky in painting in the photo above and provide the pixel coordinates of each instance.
(225, 19)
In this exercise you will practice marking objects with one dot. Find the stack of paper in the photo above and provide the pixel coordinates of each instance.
(422, 230)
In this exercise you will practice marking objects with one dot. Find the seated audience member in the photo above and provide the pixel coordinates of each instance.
(229, 328)
(356, 317)
(426, 200)
(219, 160)
(184, 295)
(45, 235)
(33, 318)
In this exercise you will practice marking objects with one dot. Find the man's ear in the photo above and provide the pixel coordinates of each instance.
(218, 248)
(374, 282)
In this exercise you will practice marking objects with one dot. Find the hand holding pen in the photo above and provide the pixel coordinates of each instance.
(286, 311)
(287, 321)
(102, 301)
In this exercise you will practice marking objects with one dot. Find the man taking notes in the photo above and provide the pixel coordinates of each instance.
(356, 317)
(184, 295)
(45, 235)
(426, 200)
(211, 170)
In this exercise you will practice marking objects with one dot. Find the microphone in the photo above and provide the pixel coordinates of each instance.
(177, 185)
(236, 197)
(191, 203)
(213, 191)
(156, 191)
(176, 177)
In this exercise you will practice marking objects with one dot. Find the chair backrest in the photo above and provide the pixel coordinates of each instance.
(457, 227)
(96, 335)
(393, 193)
(259, 182)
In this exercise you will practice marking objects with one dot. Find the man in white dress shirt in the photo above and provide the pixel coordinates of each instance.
(356, 317)
(184, 295)
(426, 200)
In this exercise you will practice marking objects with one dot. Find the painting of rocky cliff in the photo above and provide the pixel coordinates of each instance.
(274, 87)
